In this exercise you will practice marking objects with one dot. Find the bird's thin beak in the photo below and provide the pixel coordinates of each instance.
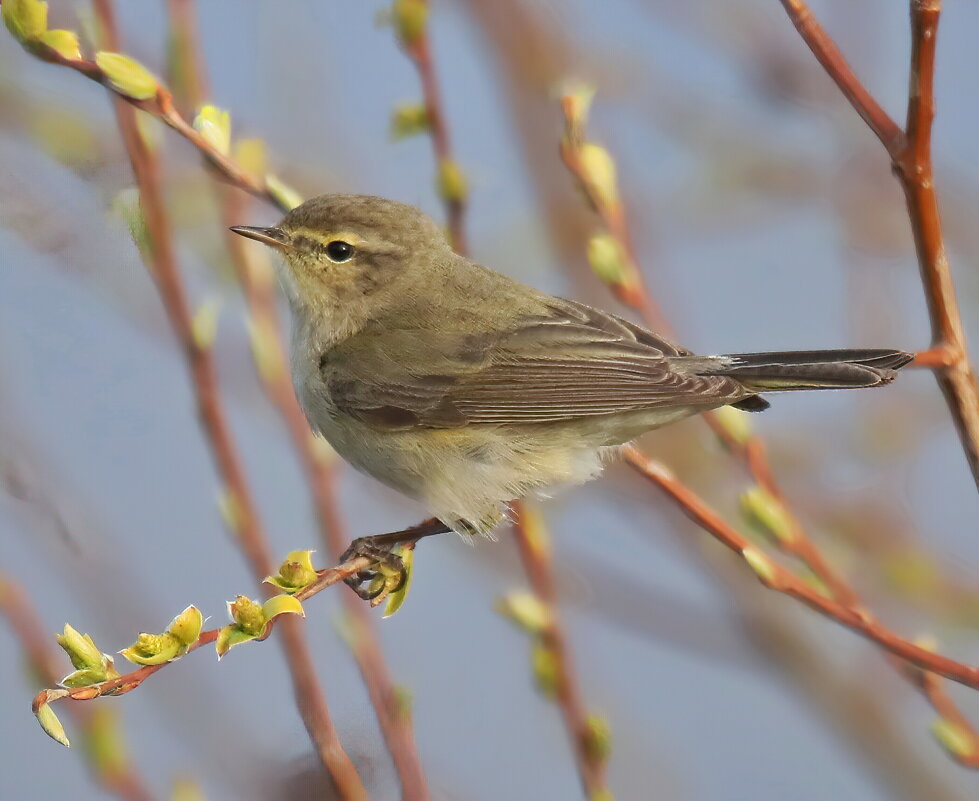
(273, 237)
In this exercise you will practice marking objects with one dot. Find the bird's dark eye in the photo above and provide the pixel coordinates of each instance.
(338, 250)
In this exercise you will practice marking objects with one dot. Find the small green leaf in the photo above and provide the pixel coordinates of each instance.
(81, 649)
(127, 76)
(64, 43)
(214, 126)
(186, 626)
(25, 19)
(229, 637)
(83, 678)
(397, 597)
(282, 605)
(287, 197)
(46, 717)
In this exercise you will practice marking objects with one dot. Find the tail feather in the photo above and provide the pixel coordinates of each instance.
(816, 369)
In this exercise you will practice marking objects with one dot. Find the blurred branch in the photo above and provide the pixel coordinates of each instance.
(411, 23)
(595, 172)
(591, 754)
(911, 160)
(110, 765)
(778, 578)
(318, 462)
(200, 361)
(160, 104)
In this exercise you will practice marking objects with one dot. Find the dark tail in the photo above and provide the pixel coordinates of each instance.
(807, 369)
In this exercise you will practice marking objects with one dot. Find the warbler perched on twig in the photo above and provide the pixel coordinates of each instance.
(466, 389)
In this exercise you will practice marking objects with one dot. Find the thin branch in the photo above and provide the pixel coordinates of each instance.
(751, 451)
(538, 564)
(536, 560)
(117, 776)
(829, 55)
(251, 535)
(128, 682)
(777, 578)
(911, 157)
(257, 283)
(418, 48)
(161, 106)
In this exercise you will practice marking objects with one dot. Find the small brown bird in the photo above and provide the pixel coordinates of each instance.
(465, 389)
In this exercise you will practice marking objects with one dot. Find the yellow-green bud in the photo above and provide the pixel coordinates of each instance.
(763, 566)
(409, 17)
(186, 626)
(735, 423)
(153, 649)
(954, 738)
(45, 714)
(64, 43)
(295, 572)
(768, 513)
(25, 19)
(598, 738)
(451, 182)
(247, 615)
(287, 197)
(608, 259)
(409, 119)
(544, 664)
(81, 649)
(599, 172)
(526, 610)
(127, 76)
(214, 126)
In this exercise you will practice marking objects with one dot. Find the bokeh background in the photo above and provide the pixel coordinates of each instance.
(765, 217)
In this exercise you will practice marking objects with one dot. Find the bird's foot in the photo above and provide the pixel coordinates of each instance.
(387, 574)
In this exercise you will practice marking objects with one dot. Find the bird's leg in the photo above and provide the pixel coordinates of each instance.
(388, 573)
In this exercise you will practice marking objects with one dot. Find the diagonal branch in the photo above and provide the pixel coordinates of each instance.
(911, 158)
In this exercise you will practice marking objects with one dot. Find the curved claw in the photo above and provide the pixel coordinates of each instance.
(387, 575)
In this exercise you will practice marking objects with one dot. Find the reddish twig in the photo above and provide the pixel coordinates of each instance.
(251, 535)
(418, 49)
(750, 451)
(911, 158)
(120, 777)
(258, 287)
(776, 577)
(536, 558)
(161, 106)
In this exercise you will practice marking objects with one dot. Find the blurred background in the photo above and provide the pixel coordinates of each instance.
(764, 216)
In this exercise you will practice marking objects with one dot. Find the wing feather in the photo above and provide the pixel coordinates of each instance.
(569, 363)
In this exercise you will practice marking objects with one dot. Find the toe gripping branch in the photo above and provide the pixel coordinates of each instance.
(387, 574)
